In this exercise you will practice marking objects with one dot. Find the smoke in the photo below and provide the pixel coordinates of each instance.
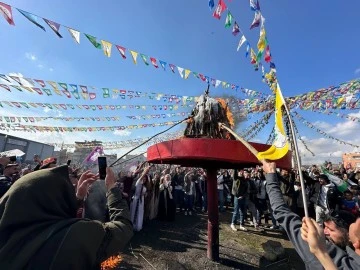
(240, 115)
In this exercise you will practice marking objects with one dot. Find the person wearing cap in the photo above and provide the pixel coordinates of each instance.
(325, 197)
(292, 223)
(7, 178)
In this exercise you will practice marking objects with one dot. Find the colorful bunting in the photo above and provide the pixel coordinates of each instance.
(75, 34)
(144, 58)
(32, 18)
(187, 73)
(153, 62)
(255, 6)
(54, 26)
(134, 56)
(2, 76)
(220, 8)
(256, 21)
(121, 51)
(106, 47)
(236, 29)
(229, 20)
(211, 4)
(262, 40)
(93, 41)
(172, 67)
(181, 70)
(5, 86)
(241, 42)
(163, 64)
(6, 11)
(267, 56)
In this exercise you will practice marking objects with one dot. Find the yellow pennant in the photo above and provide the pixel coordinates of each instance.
(106, 47)
(134, 56)
(187, 73)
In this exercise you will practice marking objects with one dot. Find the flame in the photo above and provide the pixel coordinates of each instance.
(229, 114)
(111, 263)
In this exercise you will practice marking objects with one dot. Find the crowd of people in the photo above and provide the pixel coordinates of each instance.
(123, 204)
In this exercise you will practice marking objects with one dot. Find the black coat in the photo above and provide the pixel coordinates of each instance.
(333, 196)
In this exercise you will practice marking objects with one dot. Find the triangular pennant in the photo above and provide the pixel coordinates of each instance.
(106, 47)
(47, 91)
(229, 20)
(75, 35)
(17, 87)
(5, 86)
(144, 58)
(32, 18)
(93, 41)
(64, 86)
(40, 82)
(181, 70)
(17, 79)
(92, 96)
(6, 11)
(54, 26)
(236, 29)
(2, 76)
(241, 42)
(187, 73)
(256, 21)
(220, 8)
(172, 67)
(153, 62)
(121, 51)
(38, 90)
(106, 93)
(30, 81)
(267, 56)
(163, 64)
(134, 56)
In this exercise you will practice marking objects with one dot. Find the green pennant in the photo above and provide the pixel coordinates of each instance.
(106, 93)
(144, 58)
(229, 20)
(47, 91)
(93, 41)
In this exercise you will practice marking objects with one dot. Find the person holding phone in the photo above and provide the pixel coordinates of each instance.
(46, 233)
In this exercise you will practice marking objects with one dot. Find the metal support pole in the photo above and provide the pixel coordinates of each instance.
(298, 162)
(213, 215)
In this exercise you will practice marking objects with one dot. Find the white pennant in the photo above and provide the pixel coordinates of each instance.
(241, 42)
(75, 34)
(217, 83)
(181, 70)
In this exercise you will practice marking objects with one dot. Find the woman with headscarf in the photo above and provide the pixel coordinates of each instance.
(155, 196)
(39, 229)
(137, 203)
(167, 208)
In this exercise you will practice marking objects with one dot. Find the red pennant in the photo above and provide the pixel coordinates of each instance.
(121, 51)
(153, 61)
(6, 87)
(38, 90)
(220, 8)
(7, 13)
(41, 82)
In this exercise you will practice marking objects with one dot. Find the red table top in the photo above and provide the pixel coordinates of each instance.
(205, 153)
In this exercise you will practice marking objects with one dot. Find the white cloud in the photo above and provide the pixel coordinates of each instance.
(123, 133)
(357, 71)
(40, 66)
(46, 110)
(30, 56)
(51, 69)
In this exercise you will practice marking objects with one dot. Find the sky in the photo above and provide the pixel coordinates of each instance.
(313, 44)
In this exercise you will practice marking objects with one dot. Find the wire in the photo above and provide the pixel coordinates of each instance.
(157, 134)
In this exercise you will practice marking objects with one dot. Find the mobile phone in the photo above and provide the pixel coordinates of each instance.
(12, 159)
(68, 162)
(102, 167)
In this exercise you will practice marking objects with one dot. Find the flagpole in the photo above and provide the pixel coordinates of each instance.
(298, 162)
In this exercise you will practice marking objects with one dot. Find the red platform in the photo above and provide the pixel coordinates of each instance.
(205, 153)
(210, 154)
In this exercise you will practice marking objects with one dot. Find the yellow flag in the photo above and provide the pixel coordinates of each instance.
(106, 47)
(280, 145)
(134, 56)
(262, 40)
(187, 73)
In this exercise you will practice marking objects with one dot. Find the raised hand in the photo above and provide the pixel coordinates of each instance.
(86, 179)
